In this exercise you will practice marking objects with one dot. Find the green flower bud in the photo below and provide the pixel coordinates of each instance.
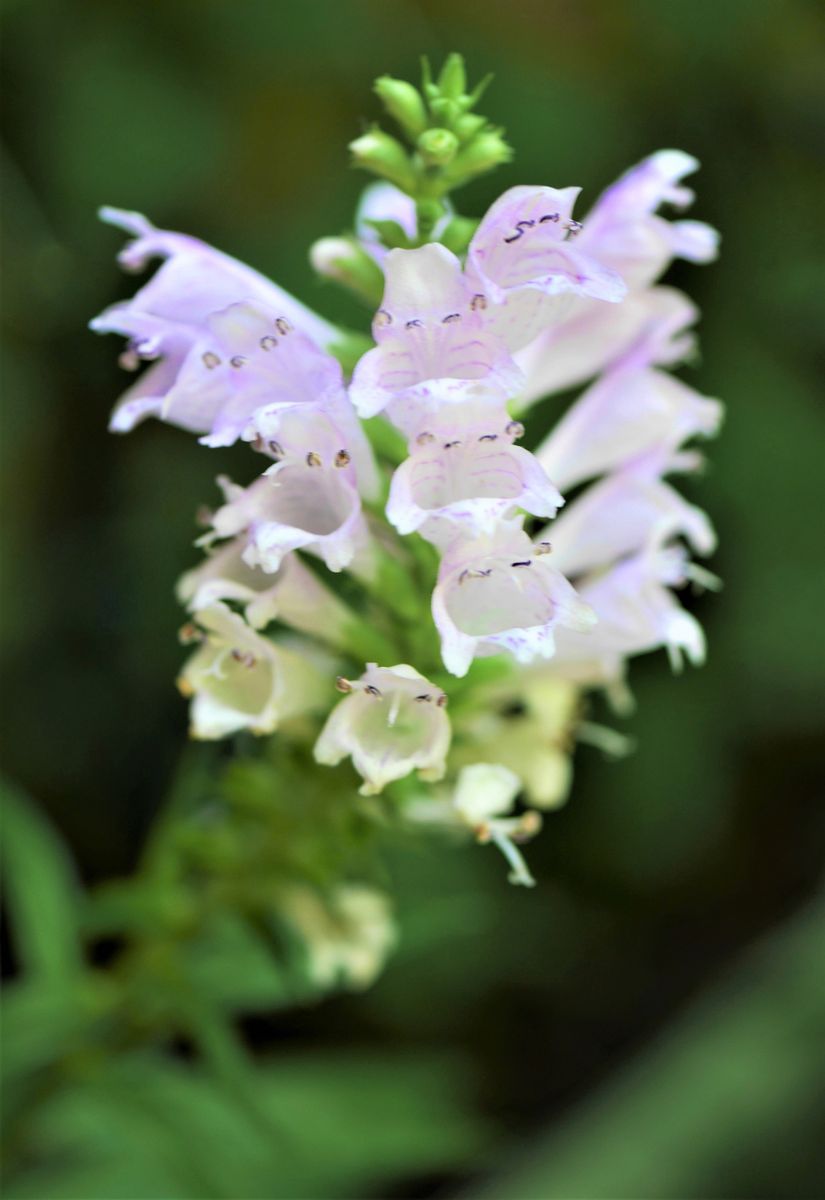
(483, 153)
(437, 147)
(404, 104)
(376, 151)
(347, 262)
(469, 125)
(452, 81)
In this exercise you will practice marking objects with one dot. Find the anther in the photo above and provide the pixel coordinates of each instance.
(425, 438)
(189, 633)
(573, 227)
(414, 324)
(478, 301)
(382, 317)
(342, 684)
(313, 459)
(282, 325)
(237, 360)
(524, 562)
(488, 437)
(211, 360)
(451, 318)
(543, 548)
(244, 657)
(342, 458)
(275, 448)
(269, 342)
(129, 359)
(203, 516)
(442, 700)
(515, 430)
(372, 690)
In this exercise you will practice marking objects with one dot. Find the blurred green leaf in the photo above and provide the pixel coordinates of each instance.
(41, 887)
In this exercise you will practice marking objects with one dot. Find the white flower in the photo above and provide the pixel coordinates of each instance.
(347, 935)
(465, 472)
(499, 592)
(293, 594)
(240, 680)
(392, 722)
(483, 798)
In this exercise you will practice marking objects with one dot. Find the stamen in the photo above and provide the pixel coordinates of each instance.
(441, 702)
(268, 342)
(382, 318)
(543, 548)
(275, 448)
(372, 690)
(425, 438)
(342, 458)
(129, 359)
(204, 516)
(282, 325)
(573, 227)
(189, 633)
(211, 360)
(237, 360)
(245, 657)
(478, 301)
(342, 684)
(515, 430)
(314, 460)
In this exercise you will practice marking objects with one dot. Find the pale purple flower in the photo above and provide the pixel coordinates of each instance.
(637, 612)
(431, 333)
(307, 500)
(240, 680)
(523, 259)
(595, 337)
(620, 514)
(464, 472)
(392, 722)
(293, 594)
(173, 322)
(628, 412)
(624, 231)
(498, 592)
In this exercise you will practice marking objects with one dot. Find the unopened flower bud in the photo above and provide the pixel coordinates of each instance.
(345, 260)
(376, 151)
(483, 153)
(404, 104)
(437, 147)
(452, 82)
(469, 125)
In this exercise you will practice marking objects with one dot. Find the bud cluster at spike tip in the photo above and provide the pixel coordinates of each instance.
(406, 473)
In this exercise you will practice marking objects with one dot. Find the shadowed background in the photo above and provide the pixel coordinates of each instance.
(648, 1021)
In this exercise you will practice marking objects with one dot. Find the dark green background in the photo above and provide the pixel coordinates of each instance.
(615, 1032)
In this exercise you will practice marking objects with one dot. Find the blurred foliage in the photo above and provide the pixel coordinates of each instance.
(510, 1026)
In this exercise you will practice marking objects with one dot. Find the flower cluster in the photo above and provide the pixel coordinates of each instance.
(405, 474)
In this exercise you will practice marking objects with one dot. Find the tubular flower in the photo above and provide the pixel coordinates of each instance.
(391, 723)
(395, 462)
(240, 680)
(500, 592)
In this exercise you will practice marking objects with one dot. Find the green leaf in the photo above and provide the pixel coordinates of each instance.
(41, 888)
